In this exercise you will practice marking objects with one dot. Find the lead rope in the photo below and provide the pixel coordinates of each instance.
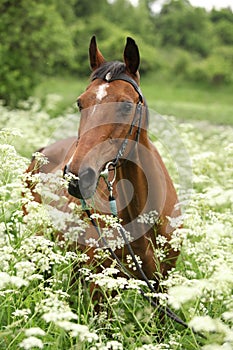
(113, 207)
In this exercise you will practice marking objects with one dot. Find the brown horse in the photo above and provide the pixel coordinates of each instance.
(113, 155)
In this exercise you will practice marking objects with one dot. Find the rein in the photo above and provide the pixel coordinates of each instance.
(113, 207)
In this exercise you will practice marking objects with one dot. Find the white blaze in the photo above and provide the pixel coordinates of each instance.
(101, 91)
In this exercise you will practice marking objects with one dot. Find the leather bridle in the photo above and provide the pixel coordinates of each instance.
(137, 116)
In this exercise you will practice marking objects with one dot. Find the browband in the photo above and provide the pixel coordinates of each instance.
(126, 78)
(129, 80)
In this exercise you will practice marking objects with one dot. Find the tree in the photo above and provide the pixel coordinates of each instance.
(34, 40)
(224, 32)
(86, 8)
(132, 19)
(225, 14)
(223, 25)
(182, 25)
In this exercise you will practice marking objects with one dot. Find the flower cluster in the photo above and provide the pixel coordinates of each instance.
(44, 286)
(108, 279)
(150, 218)
(206, 240)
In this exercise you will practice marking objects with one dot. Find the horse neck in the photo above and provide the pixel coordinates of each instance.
(144, 183)
(132, 187)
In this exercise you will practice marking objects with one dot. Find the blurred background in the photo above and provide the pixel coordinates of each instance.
(186, 52)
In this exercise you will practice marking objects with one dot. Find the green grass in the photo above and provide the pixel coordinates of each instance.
(69, 88)
(186, 101)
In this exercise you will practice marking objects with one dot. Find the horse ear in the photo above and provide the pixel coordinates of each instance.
(131, 56)
(96, 57)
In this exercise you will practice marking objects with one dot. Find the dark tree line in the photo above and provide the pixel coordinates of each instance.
(51, 37)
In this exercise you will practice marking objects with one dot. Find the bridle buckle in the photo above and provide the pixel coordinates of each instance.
(105, 174)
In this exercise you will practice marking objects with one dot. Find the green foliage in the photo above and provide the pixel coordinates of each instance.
(50, 38)
(184, 26)
(224, 32)
(110, 38)
(215, 69)
(224, 14)
(86, 8)
(34, 41)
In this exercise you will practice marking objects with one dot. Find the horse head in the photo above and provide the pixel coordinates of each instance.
(109, 115)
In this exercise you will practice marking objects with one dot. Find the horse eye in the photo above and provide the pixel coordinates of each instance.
(127, 107)
(124, 108)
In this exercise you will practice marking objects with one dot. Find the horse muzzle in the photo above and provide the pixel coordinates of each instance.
(82, 186)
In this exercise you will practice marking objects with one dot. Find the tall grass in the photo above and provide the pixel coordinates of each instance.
(41, 308)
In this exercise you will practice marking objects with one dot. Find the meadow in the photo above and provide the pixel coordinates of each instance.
(41, 308)
(166, 95)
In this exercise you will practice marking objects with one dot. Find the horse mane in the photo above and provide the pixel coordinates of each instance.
(115, 68)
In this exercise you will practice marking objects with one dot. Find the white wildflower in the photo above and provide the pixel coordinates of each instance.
(34, 331)
(25, 269)
(150, 218)
(177, 238)
(114, 345)
(4, 279)
(24, 313)
(152, 347)
(160, 254)
(78, 330)
(7, 133)
(179, 294)
(161, 240)
(101, 254)
(176, 222)
(91, 242)
(131, 264)
(31, 342)
(228, 316)
(56, 316)
(40, 158)
(104, 279)
(135, 284)
(110, 271)
(109, 220)
(18, 281)
(35, 276)
(208, 324)
(203, 324)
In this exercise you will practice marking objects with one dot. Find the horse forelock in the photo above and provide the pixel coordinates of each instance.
(113, 69)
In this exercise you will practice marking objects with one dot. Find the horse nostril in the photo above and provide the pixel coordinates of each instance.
(82, 186)
(87, 178)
